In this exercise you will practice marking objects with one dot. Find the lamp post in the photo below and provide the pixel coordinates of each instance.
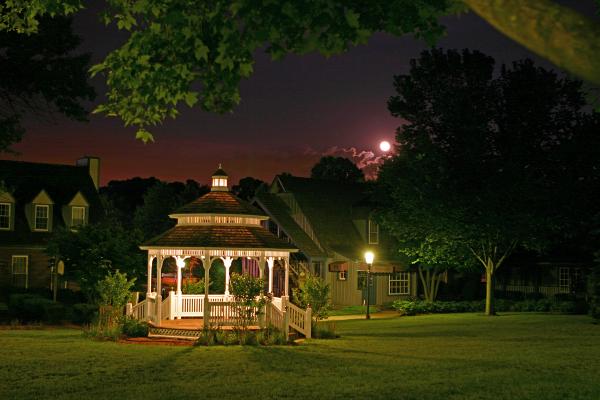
(369, 256)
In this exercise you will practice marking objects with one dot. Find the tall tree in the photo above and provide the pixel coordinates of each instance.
(174, 44)
(40, 76)
(338, 169)
(485, 163)
(247, 187)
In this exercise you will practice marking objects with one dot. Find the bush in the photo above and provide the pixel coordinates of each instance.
(102, 332)
(133, 328)
(83, 313)
(594, 289)
(415, 307)
(28, 307)
(314, 292)
(324, 331)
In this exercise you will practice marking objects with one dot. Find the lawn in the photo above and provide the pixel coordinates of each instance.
(353, 310)
(458, 356)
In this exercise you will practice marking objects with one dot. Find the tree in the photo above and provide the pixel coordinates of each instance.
(41, 76)
(314, 292)
(338, 169)
(176, 44)
(485, 164)
(246, 188)
(95, 250)
(152, 218)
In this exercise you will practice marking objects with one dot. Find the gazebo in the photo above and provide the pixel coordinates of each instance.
(216, 226)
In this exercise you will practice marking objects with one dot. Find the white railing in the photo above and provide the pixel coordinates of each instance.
(276, 318)
(166, 308)
(231, 314)
(299, 319)
(138, 311)
(192, 305)
(277, 302)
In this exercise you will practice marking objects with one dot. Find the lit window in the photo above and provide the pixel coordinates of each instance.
(77, 216)
(373, 233)
(564, 280)
(20, 271)
(41, 217)
(399, 283)
(4, 215)
(342, 275)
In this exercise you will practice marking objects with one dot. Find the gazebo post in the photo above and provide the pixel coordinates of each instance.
(261, 267)
(286, 261)
(206, 263)
(149, 287)
(271, 263)
(159, 262)
(227, 263)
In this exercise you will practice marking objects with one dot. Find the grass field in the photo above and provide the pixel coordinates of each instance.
(459, 356)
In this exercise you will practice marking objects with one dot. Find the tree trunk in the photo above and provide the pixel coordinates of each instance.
(556, 32)
(489, 291)
(431, 283)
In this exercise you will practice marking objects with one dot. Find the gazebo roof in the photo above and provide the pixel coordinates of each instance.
(219, 203)
(218, 236)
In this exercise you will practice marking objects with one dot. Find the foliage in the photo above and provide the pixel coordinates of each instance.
(131, 327)
(84, 313)
(41, 76)
(152, 217)
(247, 294)
(193, 287)
(324, 331)
(246, 188)
(99, 331)
(96, 249)
(338, 169)
(265, 337)
(314, 292)
(415, 307)
(594, 289)
(487, 162)
(114, 290)
(35, 308)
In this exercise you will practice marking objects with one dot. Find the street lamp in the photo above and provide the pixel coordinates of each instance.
(369, 256)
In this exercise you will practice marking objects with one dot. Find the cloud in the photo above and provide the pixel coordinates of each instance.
(366, 160)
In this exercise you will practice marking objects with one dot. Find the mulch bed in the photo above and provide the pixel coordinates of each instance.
(157, 341)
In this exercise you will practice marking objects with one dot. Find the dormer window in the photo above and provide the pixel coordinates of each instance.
(373, 233)
(5, 216)
(42, 217)
(77, 216)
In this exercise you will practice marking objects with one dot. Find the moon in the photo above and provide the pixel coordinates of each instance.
(385, 146)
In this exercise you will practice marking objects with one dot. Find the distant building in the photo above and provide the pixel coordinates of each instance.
(35, 200)
(332, 225)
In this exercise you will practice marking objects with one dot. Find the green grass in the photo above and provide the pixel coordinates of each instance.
(458, 356)
(353, 310)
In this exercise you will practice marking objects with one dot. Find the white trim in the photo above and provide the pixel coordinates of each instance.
(401, 282)
(373, 232)
(342, 275)
(35, 217)
(9, 216)
(12, 268)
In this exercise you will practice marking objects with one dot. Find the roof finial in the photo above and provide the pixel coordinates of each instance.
(220, 167)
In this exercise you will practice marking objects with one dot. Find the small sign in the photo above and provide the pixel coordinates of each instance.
(60, 268)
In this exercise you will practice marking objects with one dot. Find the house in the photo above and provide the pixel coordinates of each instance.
(35, 200)
(331, 224)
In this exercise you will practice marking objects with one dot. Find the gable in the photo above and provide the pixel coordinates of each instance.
(79, 200)
(42, 198)
(6, 197)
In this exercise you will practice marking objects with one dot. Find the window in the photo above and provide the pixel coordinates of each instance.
(399, 283)
(77, 216)
(20, 271)
(4, 215)
(373, 233)
(564, 280)
(316, 265)
(41, 217)
(342, 275)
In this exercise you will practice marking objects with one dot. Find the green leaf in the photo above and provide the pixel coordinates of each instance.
(143, 135)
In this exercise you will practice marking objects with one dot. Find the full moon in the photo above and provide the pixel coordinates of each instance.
(385, 146)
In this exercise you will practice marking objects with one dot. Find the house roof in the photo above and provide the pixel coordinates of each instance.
(219, 236)
(25, 180)
(281, 214)
(219, 203)
(332, 208)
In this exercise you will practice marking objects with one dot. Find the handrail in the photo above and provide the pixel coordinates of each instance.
(138, 311)
(300, 319)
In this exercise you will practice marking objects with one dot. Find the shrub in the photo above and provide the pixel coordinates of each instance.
(83, 313)
(133, 328)
(324, 331)
(193, 287)
(314, 292)
(594, 289)
(415, 307)
(102, 332)
(28, 307)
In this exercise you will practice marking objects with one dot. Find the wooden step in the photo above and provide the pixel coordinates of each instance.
(174, 333)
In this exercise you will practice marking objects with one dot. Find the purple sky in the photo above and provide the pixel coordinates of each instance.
(292, 111)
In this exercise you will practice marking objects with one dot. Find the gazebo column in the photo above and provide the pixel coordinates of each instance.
(159, 263)
(227, 263)
(180, 261)
(286, 262)
(270, 264)
(261, 267)
(149, 288)
(206, 262)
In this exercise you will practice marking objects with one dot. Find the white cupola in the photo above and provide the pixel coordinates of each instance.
(219, 181)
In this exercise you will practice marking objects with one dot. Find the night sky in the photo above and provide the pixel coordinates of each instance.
(292, 111)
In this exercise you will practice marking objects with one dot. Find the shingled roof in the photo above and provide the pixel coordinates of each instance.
(219, 203)
(25, 180)
(218, 236)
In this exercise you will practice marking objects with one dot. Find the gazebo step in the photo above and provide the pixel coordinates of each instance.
(173, 333)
